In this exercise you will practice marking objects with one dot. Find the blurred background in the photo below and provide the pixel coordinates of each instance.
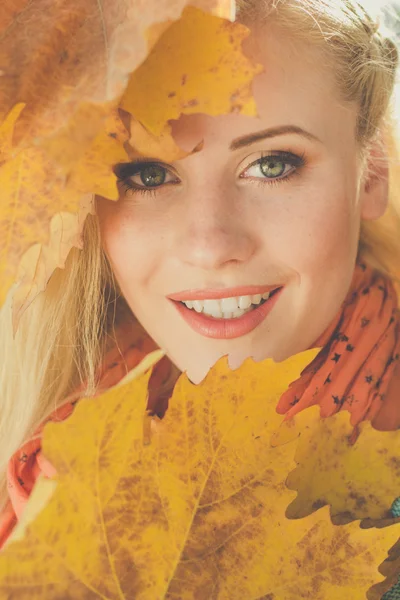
(391, 11)
(391, 20)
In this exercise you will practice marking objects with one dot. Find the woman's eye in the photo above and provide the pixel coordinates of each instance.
(144, 176)
(151, 175)
(274, 167)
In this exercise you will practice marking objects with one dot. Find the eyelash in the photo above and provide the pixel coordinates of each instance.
(125, 171)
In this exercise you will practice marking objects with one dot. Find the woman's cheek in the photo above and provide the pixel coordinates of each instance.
(319, 228)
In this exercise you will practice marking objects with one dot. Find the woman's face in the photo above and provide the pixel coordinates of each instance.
(269, 201)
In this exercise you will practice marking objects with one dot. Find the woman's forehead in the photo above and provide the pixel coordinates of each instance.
(233, 132)
(293, 90)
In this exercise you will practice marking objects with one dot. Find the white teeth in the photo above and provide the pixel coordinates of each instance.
(212, 307)
(229, 305)
(244, 302)
(198, 306)
(227, 308)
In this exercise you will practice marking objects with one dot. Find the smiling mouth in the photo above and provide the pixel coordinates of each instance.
(227, 325)
(228, 308)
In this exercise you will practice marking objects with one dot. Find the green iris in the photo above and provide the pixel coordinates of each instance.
(152, 175)
(270, 167)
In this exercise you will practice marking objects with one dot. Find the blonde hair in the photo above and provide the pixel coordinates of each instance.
(65, 332)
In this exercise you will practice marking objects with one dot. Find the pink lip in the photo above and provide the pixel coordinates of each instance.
(209, 294)
(226, 328)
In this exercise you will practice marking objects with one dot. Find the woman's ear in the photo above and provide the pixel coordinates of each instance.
(374, 195)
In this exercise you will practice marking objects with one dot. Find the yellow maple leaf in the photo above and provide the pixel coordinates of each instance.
(42, 211)
(162, 147)
(358, 481)
(89, 166)
(213, 78)
(197, 513)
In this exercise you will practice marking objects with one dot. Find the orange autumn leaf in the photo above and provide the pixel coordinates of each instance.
(357, 480)
(8, 10)
(7, 132)
(197, 513)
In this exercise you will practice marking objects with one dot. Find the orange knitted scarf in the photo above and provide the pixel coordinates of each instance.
(360, 351)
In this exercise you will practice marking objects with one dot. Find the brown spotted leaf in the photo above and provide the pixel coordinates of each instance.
(358, 480)
(199, 512)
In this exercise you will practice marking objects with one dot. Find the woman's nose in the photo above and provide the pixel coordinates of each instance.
(215, 230)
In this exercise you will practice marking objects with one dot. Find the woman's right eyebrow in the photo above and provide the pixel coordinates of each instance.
(251, 138)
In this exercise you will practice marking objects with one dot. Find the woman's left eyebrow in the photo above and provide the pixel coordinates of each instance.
(251, 138)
